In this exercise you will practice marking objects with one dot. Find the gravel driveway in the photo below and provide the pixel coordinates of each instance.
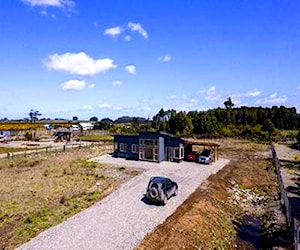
(122, 219)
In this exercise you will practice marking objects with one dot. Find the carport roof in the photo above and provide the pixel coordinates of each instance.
(201, 143)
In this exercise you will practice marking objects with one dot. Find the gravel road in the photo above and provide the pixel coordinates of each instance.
(122, 219)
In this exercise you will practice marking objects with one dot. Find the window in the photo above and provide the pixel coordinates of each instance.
(123, 147)
(176, 152)
(134, 148)
(181, 152)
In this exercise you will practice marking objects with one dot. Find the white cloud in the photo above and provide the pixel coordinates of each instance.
(127, 38)
(87, 107)
(73, 85)
(253, 93)
(273, 98)
(113, 31)
(91, 86)
(138, 27)
(211, 94)
(172, 97)
(192, 103)
(105, 106)
(131, 69)
(51, 3)
(116, 83)
(165, 58)
(117, 108)
(211, 90)
(79, 63)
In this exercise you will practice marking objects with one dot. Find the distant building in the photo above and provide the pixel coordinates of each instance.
(5, 135)
(86, 125)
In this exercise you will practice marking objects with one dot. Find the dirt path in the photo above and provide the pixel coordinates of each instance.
(122, 220)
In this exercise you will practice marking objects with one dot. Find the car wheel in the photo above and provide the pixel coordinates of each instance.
(153, 193)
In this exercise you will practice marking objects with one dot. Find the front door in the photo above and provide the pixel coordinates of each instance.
(170, 153)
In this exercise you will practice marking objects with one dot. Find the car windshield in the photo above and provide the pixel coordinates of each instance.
(206, 152)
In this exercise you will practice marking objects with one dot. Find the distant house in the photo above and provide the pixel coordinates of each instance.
(5, 135)
(149, 146)
(48, 126)
(86, 125)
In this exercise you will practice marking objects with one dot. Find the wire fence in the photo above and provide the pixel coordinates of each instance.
(293, 223)
(52, 149)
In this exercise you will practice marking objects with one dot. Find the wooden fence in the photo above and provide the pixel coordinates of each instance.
(293, 223)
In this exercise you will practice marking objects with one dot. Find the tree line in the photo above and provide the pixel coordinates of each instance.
(247, 122)
(243, 121)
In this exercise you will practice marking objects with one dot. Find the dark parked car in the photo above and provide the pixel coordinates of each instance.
(160, 189)
(206, 156)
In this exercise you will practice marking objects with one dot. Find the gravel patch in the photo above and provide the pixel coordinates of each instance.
(123, 219)
(285, 153)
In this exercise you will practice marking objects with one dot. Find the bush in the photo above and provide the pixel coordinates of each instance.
(28, 136)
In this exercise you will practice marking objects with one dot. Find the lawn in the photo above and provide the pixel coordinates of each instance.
(4, 150)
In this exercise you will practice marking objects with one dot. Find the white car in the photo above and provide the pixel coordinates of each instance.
(206, 156)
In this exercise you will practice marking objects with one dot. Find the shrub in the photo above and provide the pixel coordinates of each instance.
(28, 136)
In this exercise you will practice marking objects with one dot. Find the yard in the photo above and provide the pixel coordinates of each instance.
(237, 208)
(40, 191)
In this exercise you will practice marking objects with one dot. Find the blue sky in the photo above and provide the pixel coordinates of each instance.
(111, 58)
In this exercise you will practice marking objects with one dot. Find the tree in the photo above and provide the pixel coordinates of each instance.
(93, 119)
(33, 114)
(268, 126)
(228, 103)
(180, 124)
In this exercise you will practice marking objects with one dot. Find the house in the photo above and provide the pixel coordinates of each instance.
(149, 146)
(5, 135)
(158, 147)
(86, 125)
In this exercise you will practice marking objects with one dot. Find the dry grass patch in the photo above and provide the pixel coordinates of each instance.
(39, 192)
(208, 220)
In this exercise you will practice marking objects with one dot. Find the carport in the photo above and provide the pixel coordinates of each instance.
(189, 143)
